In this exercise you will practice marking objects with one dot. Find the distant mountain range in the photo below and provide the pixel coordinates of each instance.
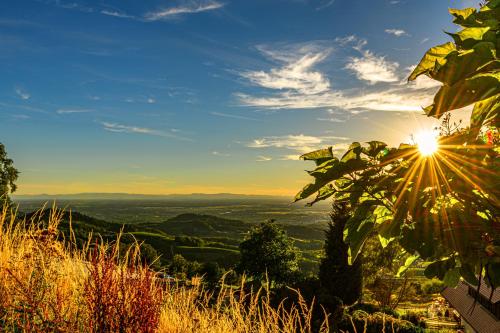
(129, 196)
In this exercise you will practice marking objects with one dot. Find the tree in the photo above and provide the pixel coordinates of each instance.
(8, 177)
(268, 252)
(337, 277)
(443, 207)
(380, 268)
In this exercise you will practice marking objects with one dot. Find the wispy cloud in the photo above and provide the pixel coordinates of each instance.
(295, 157)
(188, 8)
(23, 94)
(325, 4)
(300, 143)
(183, 8)
(120, 128)
(69, 5)
(116, 13)
(393, 99)
(234, 116)
(373, 68)
(296, 74)
(285, 92)
(218, 153)
(70, 111)
(21, 116)
(396, 32)
(332, 120)
(262, 158)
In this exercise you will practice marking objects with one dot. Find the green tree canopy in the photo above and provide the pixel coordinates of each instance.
(443, 208)
(8, 176)
(267, 250)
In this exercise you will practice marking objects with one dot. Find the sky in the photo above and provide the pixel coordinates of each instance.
(206, 96)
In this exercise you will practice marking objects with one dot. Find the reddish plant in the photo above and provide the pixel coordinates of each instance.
(118, 297)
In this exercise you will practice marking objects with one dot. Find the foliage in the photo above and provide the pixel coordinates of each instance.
(120, 298)
(182, 268)
(380, 268)
(378, 322)
(415, 317)
(8, 176)
(338, 278)
(433, 286)
(189, 241)
(268, 253)
(443, 208)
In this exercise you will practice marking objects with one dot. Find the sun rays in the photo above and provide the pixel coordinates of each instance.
(427, 142)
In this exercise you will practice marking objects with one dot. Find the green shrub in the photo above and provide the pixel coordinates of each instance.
(433, 286)
(377, 322)
(415, 317)
(189, 241)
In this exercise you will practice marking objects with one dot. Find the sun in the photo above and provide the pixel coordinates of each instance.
(427, 142)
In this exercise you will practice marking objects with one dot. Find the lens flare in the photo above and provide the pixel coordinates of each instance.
(427, 142)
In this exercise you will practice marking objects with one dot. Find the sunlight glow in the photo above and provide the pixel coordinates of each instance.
(427, 142)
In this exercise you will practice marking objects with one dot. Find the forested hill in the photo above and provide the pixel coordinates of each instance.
(197, 237)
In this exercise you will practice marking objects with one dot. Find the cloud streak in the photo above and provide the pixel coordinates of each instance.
(190, 8)
(120, 128)
(396, 32)
(233, 116)
(184, 8)
(262, 158)
(296, 142)
(71, 111)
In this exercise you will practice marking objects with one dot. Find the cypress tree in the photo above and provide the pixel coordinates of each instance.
(337, 277)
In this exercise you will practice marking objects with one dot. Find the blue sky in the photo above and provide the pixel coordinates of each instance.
(205, 96)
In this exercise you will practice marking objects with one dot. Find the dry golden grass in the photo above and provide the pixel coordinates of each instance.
(50, 286)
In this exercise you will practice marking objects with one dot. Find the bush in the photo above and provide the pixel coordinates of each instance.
(377, 322)
(415, 317)
(189, 241)
(120, 298)
(433, 286)
(372, 308)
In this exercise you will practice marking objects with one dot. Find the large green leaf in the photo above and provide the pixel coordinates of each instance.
(494, 274)
(461, 64)
(452, 277)
(467, 272)
(464, 93)
(485, 113)
(357, 237)
(327, 172)
(464, 17)
(408, 263)
(432, 60)
(353, 152)
(374, 148)
(469, 37)
(319, 156)
(439, 268)
(359, 227)
(324, 193)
